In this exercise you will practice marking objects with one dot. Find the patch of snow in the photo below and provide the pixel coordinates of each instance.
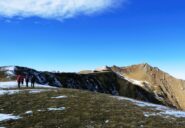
(107, 121)
(9, 92)
(29, 112)
(37, 74)
(40, 110)
(7, 85)
(6, 117)
(58, 83)
(12, 92)
(10, 72)
(34, 91)
(136, 82)
(56, 109)
(148, 114)
(8, 69)
(59, 97)
(163, 110)
(142, 126)
(13, 84)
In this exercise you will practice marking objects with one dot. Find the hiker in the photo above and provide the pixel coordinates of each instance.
(22, 79)
(19, 80)
(33, 80)
(27, 78)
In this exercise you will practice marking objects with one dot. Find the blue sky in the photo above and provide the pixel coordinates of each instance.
(125, 33)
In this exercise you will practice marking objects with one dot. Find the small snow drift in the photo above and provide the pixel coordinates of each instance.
(31, 91)
(9, 92)
(56, 109)
(29, 112)
(163, 111)
(6, 117)
(59, 97)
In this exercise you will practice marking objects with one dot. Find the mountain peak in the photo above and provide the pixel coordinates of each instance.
(144, 65)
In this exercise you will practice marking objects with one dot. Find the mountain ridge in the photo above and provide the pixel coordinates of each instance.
(140, 81)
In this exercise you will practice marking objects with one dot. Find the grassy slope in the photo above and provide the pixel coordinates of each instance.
(83, 110)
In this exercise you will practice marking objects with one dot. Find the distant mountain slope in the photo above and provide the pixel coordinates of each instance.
(167, 88)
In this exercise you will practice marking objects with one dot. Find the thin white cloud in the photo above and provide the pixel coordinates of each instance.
(55, 9)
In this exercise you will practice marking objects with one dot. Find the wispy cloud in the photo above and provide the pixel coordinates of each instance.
(55, 9)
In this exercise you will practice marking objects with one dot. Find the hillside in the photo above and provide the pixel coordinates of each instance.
(67, 108)
(167, 88)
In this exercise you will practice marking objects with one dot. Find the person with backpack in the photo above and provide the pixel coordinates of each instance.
(33, 80)
(19, 81)
(27, 78)
(22, 79)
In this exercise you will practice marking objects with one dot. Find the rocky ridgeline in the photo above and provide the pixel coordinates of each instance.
(141, 82)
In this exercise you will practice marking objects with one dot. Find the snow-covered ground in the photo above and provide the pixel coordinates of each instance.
(13, 84)
(9, 92)
(59, 97)
(162, 110)
(10, 88)
(31, 91)
(5, 117)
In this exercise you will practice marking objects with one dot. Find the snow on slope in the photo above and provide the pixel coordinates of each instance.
(162, 110)
(8, 69)
(13, 84)
(133, 81)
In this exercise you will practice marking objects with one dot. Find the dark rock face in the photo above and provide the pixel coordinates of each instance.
(97, 82)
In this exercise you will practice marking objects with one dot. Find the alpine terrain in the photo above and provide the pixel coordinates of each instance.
(105, 97)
